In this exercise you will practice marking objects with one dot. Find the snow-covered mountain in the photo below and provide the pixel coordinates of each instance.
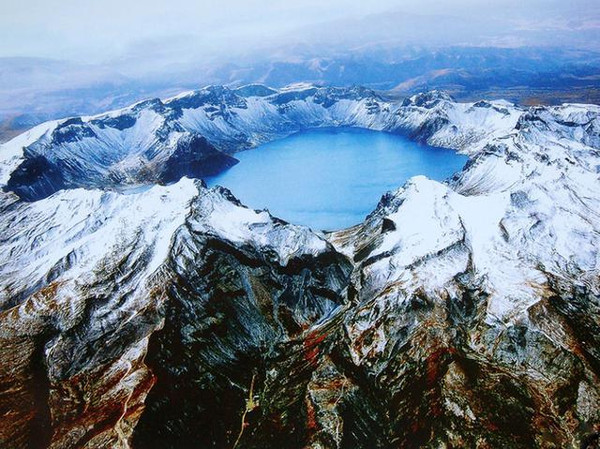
(461, 314)
(161, 141)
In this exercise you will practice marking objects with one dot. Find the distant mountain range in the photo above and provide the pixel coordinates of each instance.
(33, 90)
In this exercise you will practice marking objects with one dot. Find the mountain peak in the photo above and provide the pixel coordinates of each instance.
(428, 99)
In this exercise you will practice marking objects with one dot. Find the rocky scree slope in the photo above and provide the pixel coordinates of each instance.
(462, 314)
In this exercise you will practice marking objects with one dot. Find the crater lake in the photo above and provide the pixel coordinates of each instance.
(331, 178)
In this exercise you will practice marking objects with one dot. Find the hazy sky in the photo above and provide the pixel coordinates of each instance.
(107, 27)
(97, 30)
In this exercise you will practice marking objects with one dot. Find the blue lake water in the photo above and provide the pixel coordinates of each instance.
(331, 178)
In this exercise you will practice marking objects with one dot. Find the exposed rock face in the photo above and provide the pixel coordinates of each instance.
(137, 146)
(474, 306)
(463, 314)
(77, 310)
(237, 311)
(220, 278)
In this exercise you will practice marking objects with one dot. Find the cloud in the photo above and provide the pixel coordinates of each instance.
(101, 30)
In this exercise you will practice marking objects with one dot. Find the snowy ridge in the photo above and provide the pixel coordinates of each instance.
(215, 214)
(161, 141)
(525, 208)
(80, 229)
